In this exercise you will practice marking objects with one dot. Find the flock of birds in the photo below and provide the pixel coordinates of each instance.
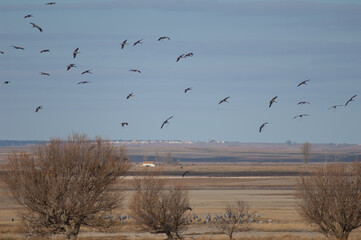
(182, 56)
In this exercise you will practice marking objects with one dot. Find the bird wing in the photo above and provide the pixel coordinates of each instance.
(185, 173)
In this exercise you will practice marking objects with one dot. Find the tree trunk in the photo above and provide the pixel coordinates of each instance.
(72, 232)
(169, 235)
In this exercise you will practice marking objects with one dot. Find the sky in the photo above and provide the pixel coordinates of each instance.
(250, 51)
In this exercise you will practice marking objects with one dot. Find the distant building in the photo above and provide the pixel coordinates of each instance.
(148, 164)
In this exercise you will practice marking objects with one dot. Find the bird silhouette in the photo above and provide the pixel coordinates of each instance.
(45, 50)
(303, 102)
(36, 26)
(124, 124)
(135, 70)
(162, 38)
(17, 47)
(87, 71)
(224, 100)
(76, 51)
(50, 3)
(138, 42)
(38, 108)
(70, 66)
(350, 100)
(130, 95)
(84, 82)
(262, 126)
(273, 100)
(301, 115)
(124, 43)
(334, 107)
(185, 173)
(187, 89)
(29, 15)
(1, 52)
(6, 82)
(44, 74)
(303, 82)
(165, 122)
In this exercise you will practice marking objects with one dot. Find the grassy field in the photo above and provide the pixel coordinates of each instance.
(269, 189)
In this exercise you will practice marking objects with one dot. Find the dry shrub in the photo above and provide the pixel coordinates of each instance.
(64, 185)
(159, 208)
(332, 199)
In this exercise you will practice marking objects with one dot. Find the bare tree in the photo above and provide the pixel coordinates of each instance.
(235, 218)
(306, 148)
(64, 185)
(159, 208)
(332, 199)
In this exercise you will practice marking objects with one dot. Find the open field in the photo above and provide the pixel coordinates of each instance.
(268, 187)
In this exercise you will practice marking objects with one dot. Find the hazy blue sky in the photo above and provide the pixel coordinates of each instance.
(251, 51)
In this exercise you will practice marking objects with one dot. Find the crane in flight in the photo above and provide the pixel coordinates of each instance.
(262, 126)
(165, 122)
(224, 100)
(303, 82)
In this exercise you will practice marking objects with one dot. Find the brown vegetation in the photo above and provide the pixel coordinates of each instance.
(332, 199)
(234, 219)
(159, 208)
(66, 184)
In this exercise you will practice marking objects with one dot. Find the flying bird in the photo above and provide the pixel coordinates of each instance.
(301, 115)
(224, 100)
(6, 82)
(44, 73)
(1, 52)
(130, 95)
(303, 102)
(138, 42)
(87, 71)
(19, 48)
(303, 82)
(135, 70)
(166, 121)
(273, 100)
(334, 107)
(187, 89)
(124, 124)
(124, 43)
(29, 15)
(262, 126)
(45, 50)
(185, 173)
(162, 38)
(36, 26)
(38, 108)
(76, 51)
(70, 66)
(350, 100)
(50, 3)
(84, 82)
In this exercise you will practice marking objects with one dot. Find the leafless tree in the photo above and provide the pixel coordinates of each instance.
(306, 148)
(332, 199)
(64, 185)
(235, 218)
(158, 207)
